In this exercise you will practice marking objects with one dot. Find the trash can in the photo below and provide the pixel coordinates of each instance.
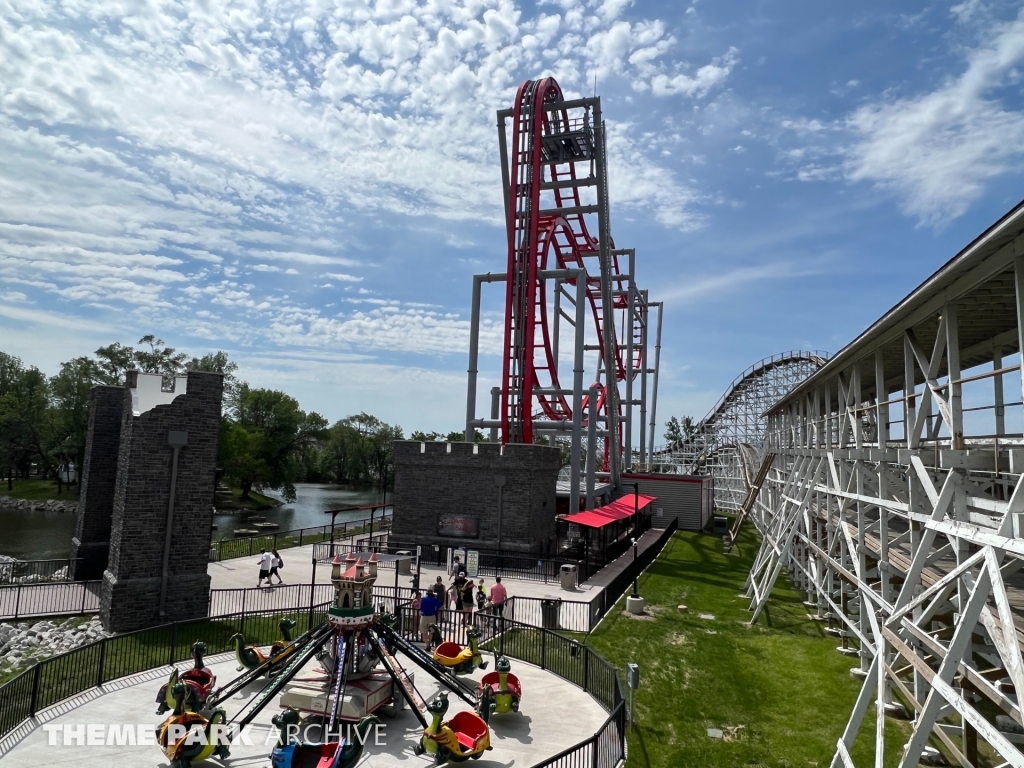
(721, 525)
(214, 555)
(404, 566)
(549, 608)
(567, 574)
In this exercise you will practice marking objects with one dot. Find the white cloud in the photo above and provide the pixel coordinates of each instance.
(937, 150)
(701, 82)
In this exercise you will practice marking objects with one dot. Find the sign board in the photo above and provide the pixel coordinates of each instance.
(472, 563)
(660, 511)
(458, 527)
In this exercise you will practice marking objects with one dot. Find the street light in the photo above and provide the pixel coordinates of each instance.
(634, 568)
(334, 514)
(636, 507)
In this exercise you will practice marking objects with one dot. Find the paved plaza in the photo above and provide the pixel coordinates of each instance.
(540, 730)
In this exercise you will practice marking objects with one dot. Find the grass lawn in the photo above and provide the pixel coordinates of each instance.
(35, 489)
(779, 690)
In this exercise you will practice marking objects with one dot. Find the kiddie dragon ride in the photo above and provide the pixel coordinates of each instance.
(348, 645)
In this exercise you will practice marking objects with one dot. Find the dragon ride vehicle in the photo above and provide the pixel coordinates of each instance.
(459, 660)
(199, 682)
(464, 737)
(250, 656)
(503, 689)
(196, 739)
(292, 752)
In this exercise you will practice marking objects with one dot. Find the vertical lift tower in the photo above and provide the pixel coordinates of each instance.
(561, 255)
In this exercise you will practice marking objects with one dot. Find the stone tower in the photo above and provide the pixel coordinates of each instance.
(166, 464)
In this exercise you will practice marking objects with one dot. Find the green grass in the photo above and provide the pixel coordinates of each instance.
(35, 489)
(781, 680)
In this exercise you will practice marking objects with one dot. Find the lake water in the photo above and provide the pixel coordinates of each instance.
(47, 535)
(307, 511)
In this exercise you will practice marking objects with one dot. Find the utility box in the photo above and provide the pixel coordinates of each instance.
(567, 575)
(721, 525)
(633, 676)
(549, 609)
(404, 563)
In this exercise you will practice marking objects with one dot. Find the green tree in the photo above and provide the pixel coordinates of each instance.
(25, 427)
(218, 362)
(262, 443)
(116, 359)
(69, 391)
(679, 431)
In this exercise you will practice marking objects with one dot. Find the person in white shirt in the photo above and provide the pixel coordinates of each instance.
(275, 563)
(266, 559)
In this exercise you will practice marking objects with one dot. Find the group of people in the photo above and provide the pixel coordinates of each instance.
(460, 595)
(270, 564)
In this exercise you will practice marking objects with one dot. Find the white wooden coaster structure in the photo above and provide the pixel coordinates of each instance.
(895, 503)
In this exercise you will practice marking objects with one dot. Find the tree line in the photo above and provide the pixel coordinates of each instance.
(266, 441)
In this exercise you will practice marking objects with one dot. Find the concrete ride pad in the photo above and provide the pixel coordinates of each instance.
(555, 715)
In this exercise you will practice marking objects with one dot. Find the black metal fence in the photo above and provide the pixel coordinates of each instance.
(62, 598)
(250, 545)
(52, 680)
(35, 571)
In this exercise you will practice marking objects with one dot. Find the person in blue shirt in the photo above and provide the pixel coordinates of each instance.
(429, 607)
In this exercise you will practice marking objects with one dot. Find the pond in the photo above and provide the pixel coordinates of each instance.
(43, 535)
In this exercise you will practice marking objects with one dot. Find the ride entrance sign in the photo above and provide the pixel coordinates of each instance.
(472, 563)
(458, 526)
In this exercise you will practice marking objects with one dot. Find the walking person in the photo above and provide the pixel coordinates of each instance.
(467, 603)
(429, 606)
(265, 560)
(498, 597)
(439, 590)
(275, 562)
(481, 597)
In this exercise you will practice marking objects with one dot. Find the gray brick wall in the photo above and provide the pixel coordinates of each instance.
(436, 479)
(131, 590)
(91, 541)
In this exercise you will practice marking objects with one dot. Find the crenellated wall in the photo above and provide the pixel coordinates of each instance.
(132, 581)
(443, 480)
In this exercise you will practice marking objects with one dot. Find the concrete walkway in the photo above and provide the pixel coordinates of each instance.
(539, 731)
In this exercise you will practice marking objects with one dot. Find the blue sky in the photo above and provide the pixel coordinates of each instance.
(310, 185)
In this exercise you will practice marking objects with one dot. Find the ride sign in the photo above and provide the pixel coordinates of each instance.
(458, 526)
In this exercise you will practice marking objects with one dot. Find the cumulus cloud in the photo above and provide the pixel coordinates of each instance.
(937, 150)
(158, 156)
(700, 82)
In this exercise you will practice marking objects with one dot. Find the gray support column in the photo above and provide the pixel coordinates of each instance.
(556, 318)
(577, 392)
(474, 348)
(654, 384)
(608, 317)
(1018, 282)
(643, 382)
(495, 411)
(503, 156)
(627, 459)
(591, 444)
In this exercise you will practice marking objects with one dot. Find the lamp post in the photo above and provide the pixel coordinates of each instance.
(634, 568)
(334, 514)
(499, 483)
(636, 508)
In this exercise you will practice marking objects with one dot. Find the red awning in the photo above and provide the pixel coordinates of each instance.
(620, 509)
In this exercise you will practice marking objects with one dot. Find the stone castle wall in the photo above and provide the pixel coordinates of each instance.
(132, 581)
(99, 476)
(445, 480)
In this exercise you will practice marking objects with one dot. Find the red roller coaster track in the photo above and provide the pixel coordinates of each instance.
(546, 147)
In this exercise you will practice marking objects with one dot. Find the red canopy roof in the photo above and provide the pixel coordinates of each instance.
(620, 509)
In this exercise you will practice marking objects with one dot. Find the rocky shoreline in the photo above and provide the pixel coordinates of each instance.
(24, 643)
(27, 505)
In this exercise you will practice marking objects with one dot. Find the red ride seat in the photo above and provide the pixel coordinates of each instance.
(468, 728)
(448, 649)
(327, 753)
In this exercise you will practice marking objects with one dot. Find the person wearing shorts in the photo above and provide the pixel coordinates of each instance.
(429, 606)
(265, 560)
(275, 563)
